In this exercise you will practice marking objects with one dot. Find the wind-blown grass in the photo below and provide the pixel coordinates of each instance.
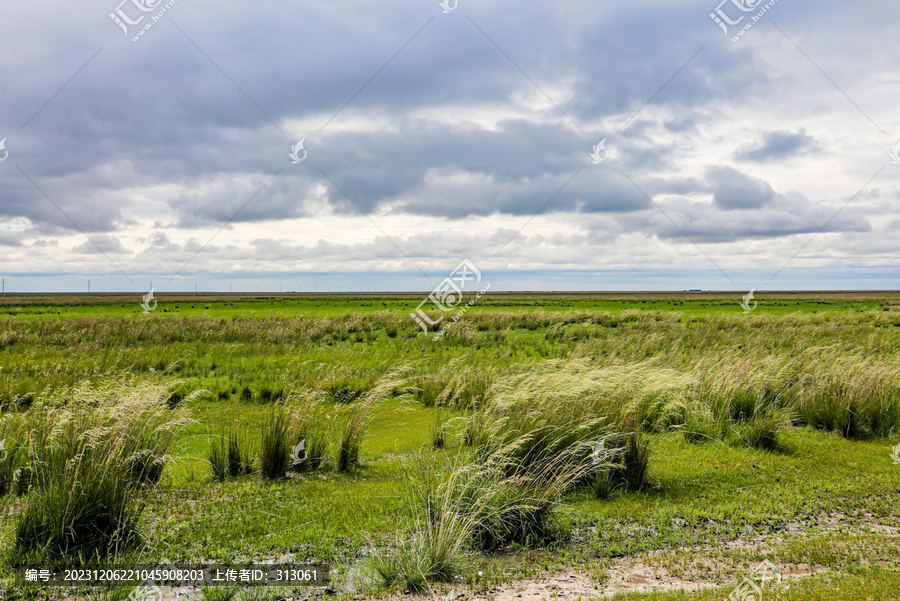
(461, 383)
(484, 505)
(88, 462)
(356, 418)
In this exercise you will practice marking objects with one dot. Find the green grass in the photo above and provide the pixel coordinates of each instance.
(754, 425)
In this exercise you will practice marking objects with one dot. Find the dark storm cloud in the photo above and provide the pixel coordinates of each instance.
(159, 111)
(777, 145)
(159, 114)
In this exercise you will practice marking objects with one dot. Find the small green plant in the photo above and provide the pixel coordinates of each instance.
(439, 430)
(632, 469)
(217, 456)
(602, 484)
(116, 593)
(219, 593)
(762, 431)
(262, 593)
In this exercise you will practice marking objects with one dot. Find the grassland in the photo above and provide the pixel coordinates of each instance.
(771, 432)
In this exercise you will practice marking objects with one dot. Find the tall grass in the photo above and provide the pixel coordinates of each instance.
(217, 456)
(850, 395)
(355, 424)
(461, 383)
(13, 436)
(310, 427)
(559, 412)
(752, 399)
(275, 448)
(355, 420)
(481, 505)
(819, 387)
(573, 392)
(239, 456)
(632, 469)
(439, 429)
(228, 455)
(87, 464)
(762, 430)
(835, 371)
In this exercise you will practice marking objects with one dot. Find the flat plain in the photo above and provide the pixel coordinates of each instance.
(548, 445)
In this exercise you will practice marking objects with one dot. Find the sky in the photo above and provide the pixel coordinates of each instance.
(363, 145)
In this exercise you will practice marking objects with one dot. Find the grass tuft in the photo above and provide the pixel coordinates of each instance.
(239, 457)
(483, 505)
(87, 465)
(763, 430)
(217, 456)
(309, 430)
(274, 455)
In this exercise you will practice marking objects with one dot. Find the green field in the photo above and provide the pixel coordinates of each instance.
(471, 461)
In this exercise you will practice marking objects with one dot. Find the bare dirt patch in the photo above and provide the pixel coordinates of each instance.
(626, 576)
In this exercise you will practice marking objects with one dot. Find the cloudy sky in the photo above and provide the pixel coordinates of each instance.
(151, 142)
